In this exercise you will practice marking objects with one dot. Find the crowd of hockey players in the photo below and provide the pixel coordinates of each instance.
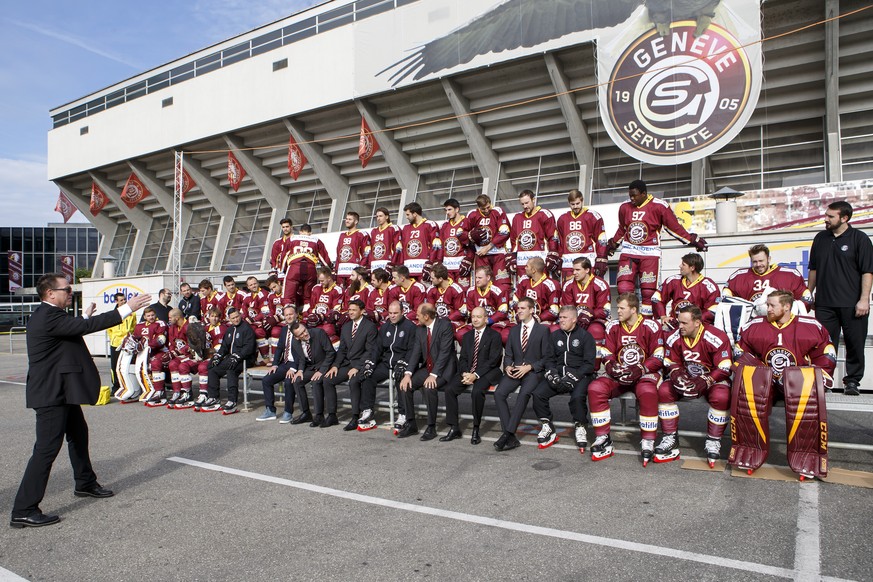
(485, 305)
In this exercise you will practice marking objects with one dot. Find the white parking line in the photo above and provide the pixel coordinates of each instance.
(7, 576)
(509, 525)
(807, 550)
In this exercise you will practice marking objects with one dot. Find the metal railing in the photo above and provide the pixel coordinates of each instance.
(15, 331)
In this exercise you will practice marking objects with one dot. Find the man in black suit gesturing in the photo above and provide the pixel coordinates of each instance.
(61, 376)
(528, 350)
(478, 369)
(432, 361)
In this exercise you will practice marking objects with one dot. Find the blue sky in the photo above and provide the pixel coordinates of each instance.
(53, 52)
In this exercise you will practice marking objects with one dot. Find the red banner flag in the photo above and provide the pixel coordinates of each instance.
(235, 171)
(98, 199)
(65, 207)
(16, 270)
(68, 267)
(134, 191)
(367, 146)
(186, 183)
(296, 159)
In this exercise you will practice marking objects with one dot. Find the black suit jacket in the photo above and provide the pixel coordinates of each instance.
(490, 354)
(321, 352)
(442, 349)
(60, 368)
(353, 354)
(539, 348)
(279, 355)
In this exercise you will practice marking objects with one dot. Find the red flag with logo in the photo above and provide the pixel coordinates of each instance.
(65, 207)
(296, 159)
(134, 191)
(16, 270)
(235, 171)
(367, 146)
(186, 182)
(68, 267)
(98, 199)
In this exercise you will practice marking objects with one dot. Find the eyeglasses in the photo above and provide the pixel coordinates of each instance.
(67, 290)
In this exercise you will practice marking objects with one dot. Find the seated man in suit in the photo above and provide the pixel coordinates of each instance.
(316, 356)
(238, 347)
(432, 362)
(479, 369)
(285, 364)
(528, 350)
(356, 338)
(387, 357)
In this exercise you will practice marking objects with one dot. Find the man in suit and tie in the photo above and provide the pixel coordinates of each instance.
(432, 361)
(316, 355)
(356, 338)
(61, 376)
(528, 350)
(285, 365)
(479, 369)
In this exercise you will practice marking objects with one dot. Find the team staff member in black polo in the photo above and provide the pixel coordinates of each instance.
(527, 351)
(478, 369)
(840, 276)
(432, 361)
(189, 303)
(61, 375)
(569, 370)
(162, 306)
(391, 347)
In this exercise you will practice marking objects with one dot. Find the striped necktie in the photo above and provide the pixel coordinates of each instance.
(524, 338)
(476, 351)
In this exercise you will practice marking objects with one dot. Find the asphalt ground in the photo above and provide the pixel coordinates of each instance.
(208, 497)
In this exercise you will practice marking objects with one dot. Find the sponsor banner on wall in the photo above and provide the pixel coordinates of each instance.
(68, 267)
(16, 270)
(682, 90)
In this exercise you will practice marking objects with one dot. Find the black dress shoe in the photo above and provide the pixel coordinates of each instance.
(501, 442)
(454, 433)
(35, 520)
(475, 439)
(408, 430)
(319, 418)
(352, 425)
(512, 443)
(429, 433)
(93, 491)
(305, 417)
(852, 389)
(329, 420)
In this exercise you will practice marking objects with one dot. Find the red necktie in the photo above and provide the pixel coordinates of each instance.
(476, 351)
(523, 338)
(429, 359)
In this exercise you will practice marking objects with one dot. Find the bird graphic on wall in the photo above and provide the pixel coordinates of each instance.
(514, 24)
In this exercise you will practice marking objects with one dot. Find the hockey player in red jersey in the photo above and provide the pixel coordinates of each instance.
(215, 330)
(232, 296)
(209, 297)
(689, 287)
(533, 234)
(358, 287)
(491, 297)
(306, 253)
(455, 254)
(281, 247)
(275, 303)
(257, 313)
(756, 282)
(154, 332)
(385, 242)
(446, 296)
(632, 357)
(488, 232)
(697, 362)
(545, 292)
(589, 294)
(352, 249)
(581, 234)
(421, 243)
(640, 222)
(800, 360)
(177, 344)
(325, 304)
(377, 300)
(409, 292)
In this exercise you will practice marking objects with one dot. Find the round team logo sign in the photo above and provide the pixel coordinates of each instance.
(413, 248)
(442, 310)
(527, 240)
(677, 95)
(779, 359)
(453, 247)
(345, 254)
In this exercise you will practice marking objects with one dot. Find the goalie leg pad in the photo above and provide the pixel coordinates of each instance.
(806, 421)
(751, 398)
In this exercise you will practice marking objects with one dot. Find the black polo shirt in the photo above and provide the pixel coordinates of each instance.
(839, 262)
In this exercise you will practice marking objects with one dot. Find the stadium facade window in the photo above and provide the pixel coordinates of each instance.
(157, 247)
(122, 245)
(199, 245)
(248, 236)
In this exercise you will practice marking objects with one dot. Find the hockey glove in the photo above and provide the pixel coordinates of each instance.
(699, 243)
(553, 378)
(568, 383)
(611, 247)
(367, 370)
(600, 266)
